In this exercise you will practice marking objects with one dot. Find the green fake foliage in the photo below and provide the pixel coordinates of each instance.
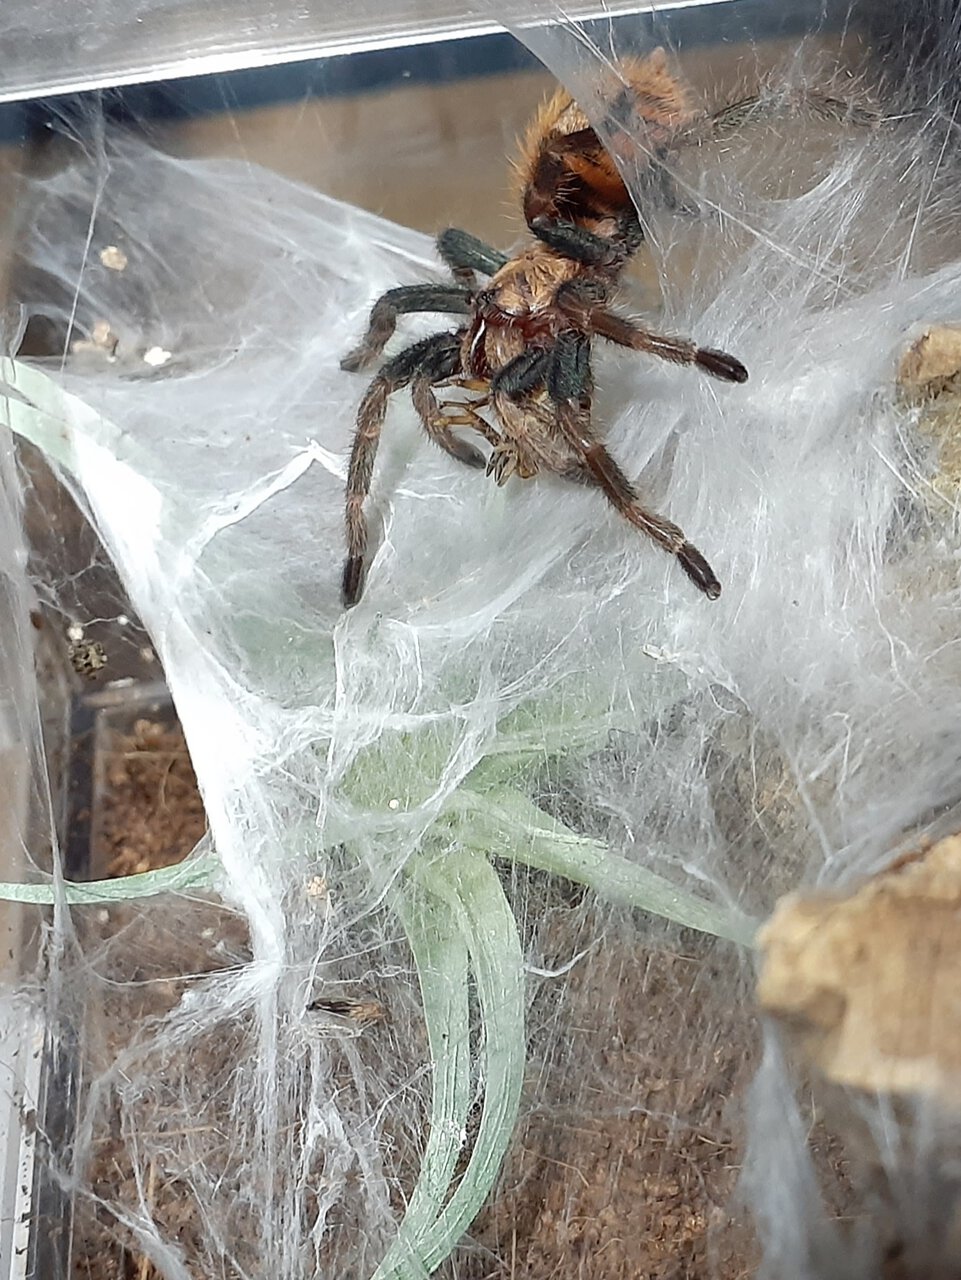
(460, 926)
(456, 913)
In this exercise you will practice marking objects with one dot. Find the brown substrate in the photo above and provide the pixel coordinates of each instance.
(625, 1164)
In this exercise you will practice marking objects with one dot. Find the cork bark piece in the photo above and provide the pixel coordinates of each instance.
(869, 986)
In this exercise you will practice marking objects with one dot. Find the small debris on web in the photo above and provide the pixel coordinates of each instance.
(156, 357)
(354, 1012)
(113, 258)
(931, 364)
(929, 380)
(316, 888)
(87, 657)
(102, 341)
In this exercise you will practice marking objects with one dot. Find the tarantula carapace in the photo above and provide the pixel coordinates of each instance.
(523, 350)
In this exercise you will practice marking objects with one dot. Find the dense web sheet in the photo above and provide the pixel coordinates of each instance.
(525, 682)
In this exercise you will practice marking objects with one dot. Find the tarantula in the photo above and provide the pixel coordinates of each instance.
(523, 349)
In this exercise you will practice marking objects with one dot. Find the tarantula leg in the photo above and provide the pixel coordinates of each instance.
(450, 298)
(569, 370)
(660, 189)
(579, 244)
(722, 124)
(436, 357)
(520, 376)
(438, 424)
(572, 419)
(465, 254)
(619, 329)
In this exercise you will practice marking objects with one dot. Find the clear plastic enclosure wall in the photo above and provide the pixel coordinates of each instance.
(422, 936)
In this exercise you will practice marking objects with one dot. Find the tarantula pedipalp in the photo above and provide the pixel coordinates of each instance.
(524, 350)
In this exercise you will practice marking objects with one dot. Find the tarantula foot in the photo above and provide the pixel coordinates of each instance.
(502, 463)
(352, 581)
(698, 570)
(720, 365)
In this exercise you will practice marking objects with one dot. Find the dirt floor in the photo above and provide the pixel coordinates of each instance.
(143, 958)
(629, 1168)
(152, 814)
(623, 1168)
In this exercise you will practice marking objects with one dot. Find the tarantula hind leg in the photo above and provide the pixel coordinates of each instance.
(765, 105)
(452, 299)
(433, 360)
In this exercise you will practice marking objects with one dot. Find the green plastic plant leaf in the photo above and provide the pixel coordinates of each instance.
(458, 920)
(466, 886)
(440, 954)
(182, 877)
(506, 823)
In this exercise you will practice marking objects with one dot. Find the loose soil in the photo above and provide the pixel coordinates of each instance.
(626, 1162)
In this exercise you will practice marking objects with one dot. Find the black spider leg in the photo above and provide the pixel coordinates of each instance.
(521, 375)
(431, 360)
(569, 375)
(569, 386)
(453, 299)
(576, 243)
(465, 254)
(659, 188)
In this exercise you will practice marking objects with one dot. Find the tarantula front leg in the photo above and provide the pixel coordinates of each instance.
(434, 359)
(581, 245)
(438, 422)
(568, 384)
(454, 299)
(516, 382)
(619, 329)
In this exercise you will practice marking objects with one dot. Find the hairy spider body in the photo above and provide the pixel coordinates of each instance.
(523, 352)
(520, 357)
(517, 311)
(572, 191)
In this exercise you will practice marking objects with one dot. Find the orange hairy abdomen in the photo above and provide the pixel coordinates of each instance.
(564, 170)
